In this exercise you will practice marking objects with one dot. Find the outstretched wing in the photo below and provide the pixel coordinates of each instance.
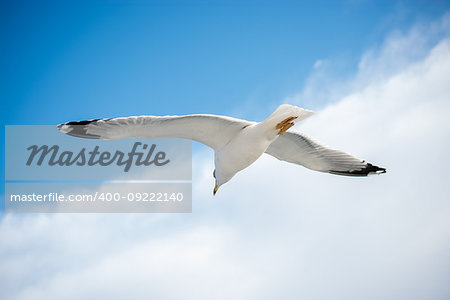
(299, 149)
(211, 130)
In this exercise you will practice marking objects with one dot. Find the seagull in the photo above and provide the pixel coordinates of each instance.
(237, 143)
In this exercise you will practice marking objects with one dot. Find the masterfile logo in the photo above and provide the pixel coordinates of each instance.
(53, 156)
(41, 152)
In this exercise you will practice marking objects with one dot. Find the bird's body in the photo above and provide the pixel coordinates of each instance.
(253, 140)
(237, 143)
(240, 152)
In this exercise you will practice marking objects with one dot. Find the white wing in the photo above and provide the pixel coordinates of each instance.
(299, 149)
(214, 131)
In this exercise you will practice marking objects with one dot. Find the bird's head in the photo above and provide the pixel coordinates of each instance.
(220, 179)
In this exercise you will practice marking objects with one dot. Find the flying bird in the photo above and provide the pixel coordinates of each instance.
(237, 143)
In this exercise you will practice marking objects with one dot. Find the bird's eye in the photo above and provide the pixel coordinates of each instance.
(214, 173)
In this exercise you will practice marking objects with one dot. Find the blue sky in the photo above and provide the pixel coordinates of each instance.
(377, 75)
(74, 60)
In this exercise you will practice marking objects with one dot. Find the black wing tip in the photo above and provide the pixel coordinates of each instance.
(369, 169)
(79, 128)
(86, 122)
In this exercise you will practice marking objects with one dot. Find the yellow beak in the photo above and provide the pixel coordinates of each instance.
(215, 190)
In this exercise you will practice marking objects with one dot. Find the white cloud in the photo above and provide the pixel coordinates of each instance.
(332, 81)
(317, 63)
(278, 230)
